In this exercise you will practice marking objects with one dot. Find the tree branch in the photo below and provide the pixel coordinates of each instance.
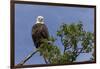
(64, 49)
(45, 60)
(63, 43)
(27, 58)
(79, 52)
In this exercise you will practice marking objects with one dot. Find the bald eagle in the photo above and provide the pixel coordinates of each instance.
(39, 31)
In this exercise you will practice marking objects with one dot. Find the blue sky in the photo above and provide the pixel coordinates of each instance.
(25, 18)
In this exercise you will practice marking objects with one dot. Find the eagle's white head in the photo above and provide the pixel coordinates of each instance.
(40, 19)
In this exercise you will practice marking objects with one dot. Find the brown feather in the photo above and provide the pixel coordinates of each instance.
(39, 31)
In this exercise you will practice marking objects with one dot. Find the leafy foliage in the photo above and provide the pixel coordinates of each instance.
(75, 40)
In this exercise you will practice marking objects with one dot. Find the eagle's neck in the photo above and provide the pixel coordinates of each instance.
(39, 22)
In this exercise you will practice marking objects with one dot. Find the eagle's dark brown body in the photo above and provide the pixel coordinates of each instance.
(39, 31)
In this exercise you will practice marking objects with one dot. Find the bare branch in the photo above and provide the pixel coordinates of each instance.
(27, 58)
(79, 52)
(45, 60)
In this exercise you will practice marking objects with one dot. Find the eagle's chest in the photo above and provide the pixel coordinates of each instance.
(37, 30)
